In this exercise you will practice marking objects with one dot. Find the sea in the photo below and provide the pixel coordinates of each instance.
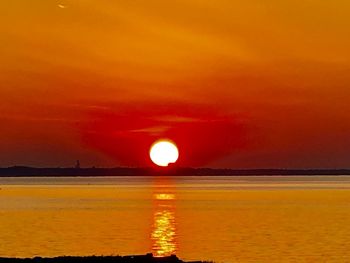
(217, 218)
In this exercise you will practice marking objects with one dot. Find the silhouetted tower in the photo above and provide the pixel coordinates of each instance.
(77, 165)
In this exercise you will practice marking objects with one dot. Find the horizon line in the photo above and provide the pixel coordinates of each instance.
(167, 168)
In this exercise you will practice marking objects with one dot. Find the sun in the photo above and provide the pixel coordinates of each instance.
(164, 152)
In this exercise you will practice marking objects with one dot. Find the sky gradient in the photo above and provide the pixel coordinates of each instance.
(238, 84)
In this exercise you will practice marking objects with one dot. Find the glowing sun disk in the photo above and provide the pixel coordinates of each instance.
(164, 152)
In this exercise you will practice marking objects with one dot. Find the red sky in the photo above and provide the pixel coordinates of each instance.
(235, 84)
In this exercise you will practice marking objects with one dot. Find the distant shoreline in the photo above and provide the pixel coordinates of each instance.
(21, 171)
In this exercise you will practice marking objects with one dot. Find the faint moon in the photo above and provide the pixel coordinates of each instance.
(164, 152)
(62, 6)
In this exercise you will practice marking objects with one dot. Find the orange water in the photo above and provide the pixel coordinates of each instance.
(240, 219)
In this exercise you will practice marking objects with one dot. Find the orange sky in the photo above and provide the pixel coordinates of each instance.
(239, 84)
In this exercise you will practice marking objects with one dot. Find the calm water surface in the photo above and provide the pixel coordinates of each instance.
(226, 219)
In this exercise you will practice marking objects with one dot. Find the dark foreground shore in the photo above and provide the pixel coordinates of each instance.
(100, 259)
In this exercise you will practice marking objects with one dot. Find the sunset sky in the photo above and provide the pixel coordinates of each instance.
(237, 84)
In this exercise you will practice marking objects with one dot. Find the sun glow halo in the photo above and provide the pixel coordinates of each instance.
(163, 152)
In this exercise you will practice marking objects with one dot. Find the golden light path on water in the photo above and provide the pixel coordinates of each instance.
(163, 234)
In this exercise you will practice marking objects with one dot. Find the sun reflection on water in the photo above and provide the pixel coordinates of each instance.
(163, 234)
(164, 196)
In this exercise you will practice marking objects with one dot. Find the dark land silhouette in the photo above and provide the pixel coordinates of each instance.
(173, 171)
(99, 259)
